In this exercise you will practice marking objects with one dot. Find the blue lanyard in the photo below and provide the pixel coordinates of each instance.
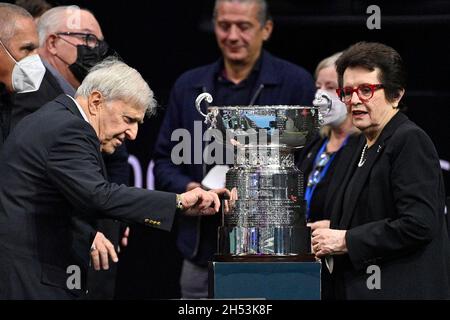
(310, 189)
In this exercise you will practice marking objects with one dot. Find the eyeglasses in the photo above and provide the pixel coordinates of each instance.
(364, 91)
(89, 39)
(321, 162)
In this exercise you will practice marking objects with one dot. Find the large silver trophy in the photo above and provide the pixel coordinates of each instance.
(265, 215)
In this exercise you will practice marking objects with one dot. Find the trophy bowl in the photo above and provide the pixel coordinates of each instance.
(265, 215)
(286, 126)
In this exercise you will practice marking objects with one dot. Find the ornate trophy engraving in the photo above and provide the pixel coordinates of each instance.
(265, 215)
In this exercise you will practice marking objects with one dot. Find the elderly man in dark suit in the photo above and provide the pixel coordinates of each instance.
(53, 170)
(68, 50)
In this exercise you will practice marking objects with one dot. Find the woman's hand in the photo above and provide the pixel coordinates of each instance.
(328, 241)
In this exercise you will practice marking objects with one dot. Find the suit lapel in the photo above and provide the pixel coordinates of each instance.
(68, 103)
(379, 146)
(352, 157)
(342, 167)
(365, 172)
(72, 107)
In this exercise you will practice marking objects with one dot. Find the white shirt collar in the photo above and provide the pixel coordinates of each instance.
(79, 109)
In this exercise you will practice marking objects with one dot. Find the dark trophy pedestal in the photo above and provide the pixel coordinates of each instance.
(265, 277)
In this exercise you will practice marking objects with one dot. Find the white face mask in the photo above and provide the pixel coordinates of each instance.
(332, 111)
(27, 74)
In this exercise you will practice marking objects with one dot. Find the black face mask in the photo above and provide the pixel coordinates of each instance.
(88, 57)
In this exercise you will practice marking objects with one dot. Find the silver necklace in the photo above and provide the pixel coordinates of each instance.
(363, 159)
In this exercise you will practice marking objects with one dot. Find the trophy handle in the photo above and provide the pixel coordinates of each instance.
(198, 101)
(323, 102)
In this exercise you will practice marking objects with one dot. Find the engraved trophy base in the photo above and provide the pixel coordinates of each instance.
(263, 269)
(265, 242)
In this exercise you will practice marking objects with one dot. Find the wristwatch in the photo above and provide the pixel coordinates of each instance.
(179, 202)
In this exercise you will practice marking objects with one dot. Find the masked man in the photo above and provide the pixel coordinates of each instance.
(21, 69)
(70, 43)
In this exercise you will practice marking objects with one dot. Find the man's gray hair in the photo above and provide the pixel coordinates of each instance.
(117, 81)
(52, 21)
(8, 16)
(56, 19)
(263, 13)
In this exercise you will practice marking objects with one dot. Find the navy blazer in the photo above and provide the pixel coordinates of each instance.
(282, 83)
(395, 220)
(52, 170)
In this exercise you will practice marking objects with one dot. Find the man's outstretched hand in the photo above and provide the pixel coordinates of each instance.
(201, 202)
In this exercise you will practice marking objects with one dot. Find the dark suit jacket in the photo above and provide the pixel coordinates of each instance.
(305, 164)
(101, 283)
(52, 170)
(395, 219)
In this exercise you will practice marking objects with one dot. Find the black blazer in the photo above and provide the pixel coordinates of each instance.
(305, 164)
(395, 220)
(52, 170)
(116, 164)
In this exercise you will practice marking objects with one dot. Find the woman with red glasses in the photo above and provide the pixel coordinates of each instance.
(387, 236)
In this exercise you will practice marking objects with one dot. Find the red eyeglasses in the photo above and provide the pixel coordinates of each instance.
(364, 91)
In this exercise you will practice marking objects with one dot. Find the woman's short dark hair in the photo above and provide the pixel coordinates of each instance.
(371, 55)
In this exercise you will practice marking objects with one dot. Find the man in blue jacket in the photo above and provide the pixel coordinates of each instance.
(245, 75)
